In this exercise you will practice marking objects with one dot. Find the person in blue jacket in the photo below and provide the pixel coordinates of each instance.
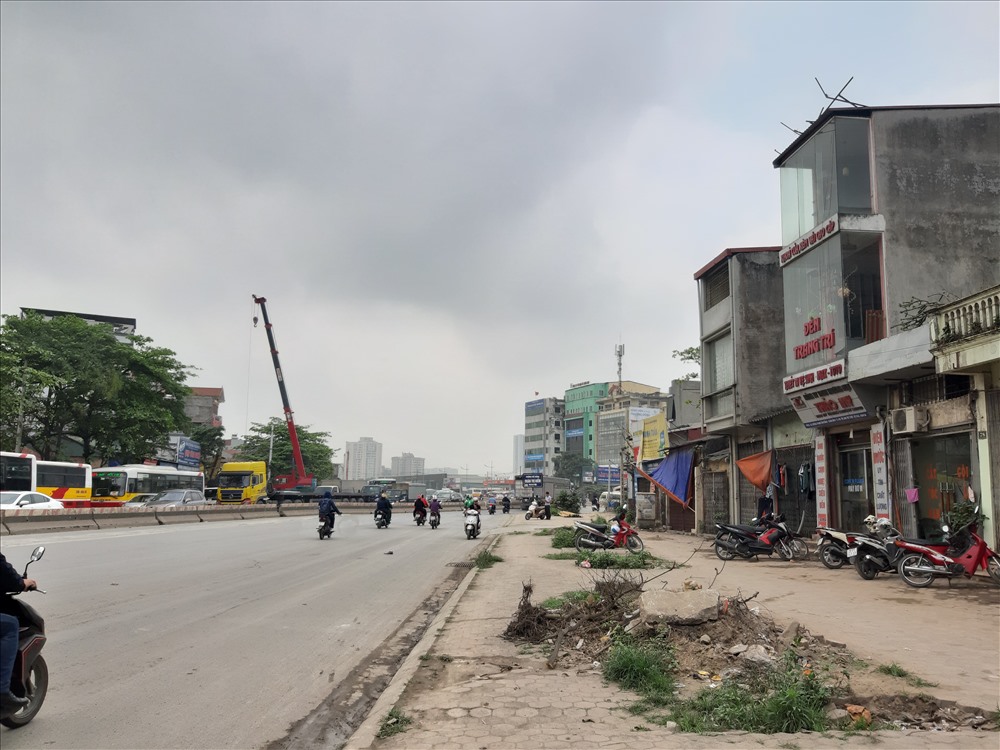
(328, 509)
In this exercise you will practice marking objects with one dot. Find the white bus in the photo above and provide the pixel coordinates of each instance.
(116, 485)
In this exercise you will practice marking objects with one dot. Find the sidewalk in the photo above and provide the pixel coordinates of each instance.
(466, 688)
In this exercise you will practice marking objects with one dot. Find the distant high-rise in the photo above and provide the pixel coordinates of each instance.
(363, 459)
(406, 465)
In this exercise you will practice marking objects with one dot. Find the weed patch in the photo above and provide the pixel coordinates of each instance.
(556, 602)
(394, 722)
(486, 559)
(564, 537)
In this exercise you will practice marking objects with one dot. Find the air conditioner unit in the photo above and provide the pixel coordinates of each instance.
(910, 419)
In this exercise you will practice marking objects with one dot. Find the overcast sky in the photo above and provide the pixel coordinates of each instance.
(447, 206)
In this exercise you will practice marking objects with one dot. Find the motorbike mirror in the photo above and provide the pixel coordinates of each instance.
(944, 528)
(36, 553)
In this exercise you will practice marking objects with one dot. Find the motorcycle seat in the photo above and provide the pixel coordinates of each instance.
(601, 527)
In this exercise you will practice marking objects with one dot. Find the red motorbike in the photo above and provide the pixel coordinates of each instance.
(597, 536)
(967, 552)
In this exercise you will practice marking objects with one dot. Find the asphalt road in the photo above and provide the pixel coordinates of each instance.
(217, 635)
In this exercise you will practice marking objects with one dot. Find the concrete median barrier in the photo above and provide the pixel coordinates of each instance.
(34, 521)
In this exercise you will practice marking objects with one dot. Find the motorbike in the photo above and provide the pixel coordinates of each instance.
(506, 505)
(967, 552)
(31, 675)
(767, 536)
(833, 545)
(535, 510)
(877, 553)
(420, 516)
(471, 523)
(492, 508)
(325, 528)
(381, 521)
(591, 536)
(435, 519)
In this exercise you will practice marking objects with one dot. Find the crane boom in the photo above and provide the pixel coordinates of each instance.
(298, 467)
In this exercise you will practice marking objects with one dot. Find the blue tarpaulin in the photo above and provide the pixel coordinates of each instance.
(673, 475)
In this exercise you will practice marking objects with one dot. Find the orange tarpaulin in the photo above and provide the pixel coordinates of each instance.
(757, 469)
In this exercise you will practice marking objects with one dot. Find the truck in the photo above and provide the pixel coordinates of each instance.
(298, 480)
(529, 485)
(242, 482)
(349, 490)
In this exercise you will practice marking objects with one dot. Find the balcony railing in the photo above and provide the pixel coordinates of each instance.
(975, 314)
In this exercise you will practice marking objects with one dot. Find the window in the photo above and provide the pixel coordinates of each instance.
(716, 286)
(719, 377)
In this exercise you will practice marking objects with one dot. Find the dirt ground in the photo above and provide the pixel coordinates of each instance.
(772, 605)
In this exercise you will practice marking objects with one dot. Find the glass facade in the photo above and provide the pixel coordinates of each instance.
(814, 308)
(942, 466)
(829, 174)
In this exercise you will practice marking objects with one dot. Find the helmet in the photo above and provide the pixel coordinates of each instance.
(883, 523)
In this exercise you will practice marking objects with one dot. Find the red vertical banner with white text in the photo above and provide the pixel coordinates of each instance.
(879, 473)
(822, 483)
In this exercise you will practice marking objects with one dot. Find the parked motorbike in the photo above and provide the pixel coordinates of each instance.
(966, 553)
(31, 675)
(381, 521)
(471, 523)
(435, 519)
(833, 544)
(767, 536)
(877, 553)
(535, 510)
(591, 536)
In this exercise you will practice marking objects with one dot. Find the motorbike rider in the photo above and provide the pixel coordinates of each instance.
(476, 507)
(383, 504)
(420, 506)
(493, 504)
(10, 581)
(505, 503)
(328, 509)
(435, 507)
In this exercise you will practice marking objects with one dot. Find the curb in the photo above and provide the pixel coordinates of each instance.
(366, 733)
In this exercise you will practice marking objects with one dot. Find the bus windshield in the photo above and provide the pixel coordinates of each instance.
(109, 484)
(17, 473)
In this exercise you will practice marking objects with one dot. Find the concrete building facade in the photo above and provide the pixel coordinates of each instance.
(582, 401)
(406, 465)
(886, 212)
(363, 459)
(543, 434)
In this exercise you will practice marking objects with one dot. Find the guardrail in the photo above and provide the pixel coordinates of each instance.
(74, 519)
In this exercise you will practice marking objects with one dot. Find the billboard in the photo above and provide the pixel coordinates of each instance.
(655, 438)
(531, 480)
(188, 453)
(607, 474)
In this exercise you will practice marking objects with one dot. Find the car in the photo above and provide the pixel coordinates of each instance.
(11, 502)
(139, 501)
(178, 499)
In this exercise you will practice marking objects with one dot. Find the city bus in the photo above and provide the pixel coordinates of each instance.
(66, 481)
(18, 472)
(116, 485)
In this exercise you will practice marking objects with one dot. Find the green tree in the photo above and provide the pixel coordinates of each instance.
(316, 454)
(691, 355)
(212, 445)
(68, 380)
(573, 466)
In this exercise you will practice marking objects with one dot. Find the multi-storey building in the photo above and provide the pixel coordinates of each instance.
(620, 415)
(363, 459)
(406, 465)
(518, 454)
(581, 418)
(741, 308)
(543, 434)
(202, 406)
(886, 211)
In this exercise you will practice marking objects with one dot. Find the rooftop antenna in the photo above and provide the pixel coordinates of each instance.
(838, 97)
(619, 353)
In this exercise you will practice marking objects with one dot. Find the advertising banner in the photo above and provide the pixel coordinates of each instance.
(655, 439)
(822, 483)
(823, 406)
(607, 474)
(879, 473)
(188, 453)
